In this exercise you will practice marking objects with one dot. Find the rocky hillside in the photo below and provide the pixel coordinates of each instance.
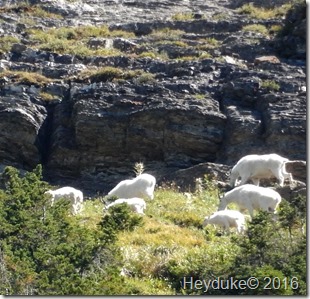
(90, 87)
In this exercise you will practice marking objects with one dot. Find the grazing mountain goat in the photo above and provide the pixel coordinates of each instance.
(142, 185)
(136, 204)
(256, 167)
(250, 197)
(227, 219)
(75, 196)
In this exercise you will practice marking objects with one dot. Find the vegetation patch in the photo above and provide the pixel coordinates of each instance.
(258, 28)
(148, 54)
(270, 85)
(46, 96)
(29, 10)
(74, 40)
(205, 55)
(263, 13)
(107, 73)
(166, 33)
(200, 96)
(275, 29)
(219, 16)
(207, 44)
(27, 78)
(186, 58)
(110, 73)
(76, 33)
(183, 17)
(6, 43)
(163, 55)
(146, 78)
(45, 250)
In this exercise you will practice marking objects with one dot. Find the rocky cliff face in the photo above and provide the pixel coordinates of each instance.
(175, 94)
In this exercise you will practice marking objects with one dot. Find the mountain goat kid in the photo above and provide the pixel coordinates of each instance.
(227, 219)
(136, 204)
(142, 185)
(75, 196)
(256, 167)
(250, 197)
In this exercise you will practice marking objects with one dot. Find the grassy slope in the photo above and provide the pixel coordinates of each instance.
(172, 232)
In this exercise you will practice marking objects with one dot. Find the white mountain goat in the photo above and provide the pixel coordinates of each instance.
(250, 197)
(227, 219)
(256, 167)
(142, 185)
(136, 204)
(75, 196)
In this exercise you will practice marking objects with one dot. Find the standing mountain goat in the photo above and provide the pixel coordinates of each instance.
(256, 167)
(142, 185)
(226, 219)
(250, 197)
(75, 196)
(136, 204)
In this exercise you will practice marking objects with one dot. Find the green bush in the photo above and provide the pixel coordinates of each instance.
(293, 214)
(45, 250)
(201, 265)
(271, 255)
(120, 218)
(268, 280)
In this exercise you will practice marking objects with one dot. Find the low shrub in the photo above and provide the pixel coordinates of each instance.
(271, 255)
(44, 250)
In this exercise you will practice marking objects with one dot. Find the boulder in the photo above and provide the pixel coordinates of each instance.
(185, 179)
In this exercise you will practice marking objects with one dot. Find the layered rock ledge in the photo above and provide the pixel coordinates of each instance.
(177, 93)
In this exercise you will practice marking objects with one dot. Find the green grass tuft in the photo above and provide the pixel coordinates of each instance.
(256, 28)
(6, 43)
(28, 78)
(183, 17)
(270, 85)
(263, 13)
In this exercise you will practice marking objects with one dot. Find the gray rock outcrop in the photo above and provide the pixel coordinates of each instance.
(176, 94)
